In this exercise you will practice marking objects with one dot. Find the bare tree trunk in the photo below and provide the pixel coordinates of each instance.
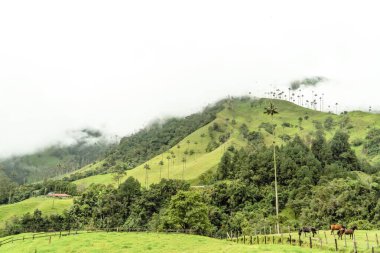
(275, 177)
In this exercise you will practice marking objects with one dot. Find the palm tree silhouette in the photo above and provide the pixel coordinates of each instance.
(183, 167)
(271, 111)
(161, 163)
(168, 158)
(146, 167)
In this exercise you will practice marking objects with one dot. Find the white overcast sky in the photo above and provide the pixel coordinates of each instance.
(117, 65)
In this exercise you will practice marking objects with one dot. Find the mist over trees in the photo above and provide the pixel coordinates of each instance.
(89, 145)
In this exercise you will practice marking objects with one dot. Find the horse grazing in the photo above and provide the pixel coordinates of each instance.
(305, 230)
(336, 227)
(349, 232)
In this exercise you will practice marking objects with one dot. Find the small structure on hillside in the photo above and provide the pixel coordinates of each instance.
(58, 195)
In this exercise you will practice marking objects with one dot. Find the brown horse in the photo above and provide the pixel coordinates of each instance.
(341, 233)
(349, 232)
(336, 227)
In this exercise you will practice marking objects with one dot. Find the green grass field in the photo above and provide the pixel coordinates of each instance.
(42, 203)
(161, 242)
(252, 116)
(139, 242)
(345, 244)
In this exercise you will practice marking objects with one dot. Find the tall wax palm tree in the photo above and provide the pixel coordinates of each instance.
(173, 157)
(178, 147)
(168, 157)
(183, 167)
(271, 110)
(146, 167)
(161, 163)
(323, 96)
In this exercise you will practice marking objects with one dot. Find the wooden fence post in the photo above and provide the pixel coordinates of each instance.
(373, 249)
(366, 234)
(377, 241)
(299, 239)
(49, 239)
(282, 238)
(336, 244)
(251, 240)
(311, 243)
(290, 239)
(273, 239)
(355, 246)
(325, 237)
(258, 241)
(265, 239)
(345, 241)
(243, 238)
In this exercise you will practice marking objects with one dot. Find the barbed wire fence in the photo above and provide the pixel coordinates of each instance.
(287, 236)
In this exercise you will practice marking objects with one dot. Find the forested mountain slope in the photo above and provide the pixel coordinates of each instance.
(239, 123)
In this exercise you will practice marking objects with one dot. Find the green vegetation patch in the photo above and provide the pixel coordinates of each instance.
(42, 203)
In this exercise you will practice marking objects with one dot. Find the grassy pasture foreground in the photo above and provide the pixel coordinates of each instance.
(139, 242)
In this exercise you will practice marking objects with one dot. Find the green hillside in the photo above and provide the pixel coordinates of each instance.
(292, 120)
(41, 203)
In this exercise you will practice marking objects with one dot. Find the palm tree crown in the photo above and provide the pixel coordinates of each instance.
(271, 110)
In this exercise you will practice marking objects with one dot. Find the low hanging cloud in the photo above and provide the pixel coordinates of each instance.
(306, 82)
(86, 73)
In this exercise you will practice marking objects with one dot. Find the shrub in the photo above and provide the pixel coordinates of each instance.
(268, 127)
(357, 142)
